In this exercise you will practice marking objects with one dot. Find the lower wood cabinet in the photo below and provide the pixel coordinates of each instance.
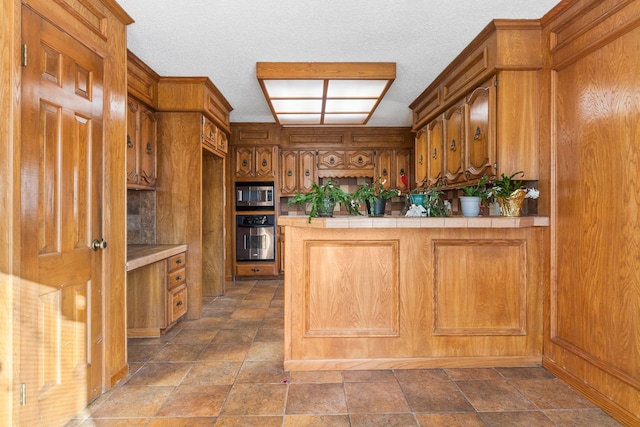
(256, 269)
(156, 296)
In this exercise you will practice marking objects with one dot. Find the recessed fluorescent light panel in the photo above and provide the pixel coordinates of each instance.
(324, 93)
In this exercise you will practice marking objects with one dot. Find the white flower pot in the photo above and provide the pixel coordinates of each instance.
(470, 206)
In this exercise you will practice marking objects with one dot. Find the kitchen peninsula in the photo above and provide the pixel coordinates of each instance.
(396, 292)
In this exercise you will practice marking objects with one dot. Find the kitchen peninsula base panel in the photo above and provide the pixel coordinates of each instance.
(418, 297)
(413, 363)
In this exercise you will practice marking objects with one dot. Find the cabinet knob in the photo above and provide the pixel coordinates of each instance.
(178, 278)
(435, 153)
(306, 172)
(359, 159)
(149, 149)
(384, 172)
(264, 162)
(98, 244)
(420, 160)
(453, 145)
(331, 160)
(244, 162)
(289, 172)
(179, 303)
(179, 261)
(129, 143)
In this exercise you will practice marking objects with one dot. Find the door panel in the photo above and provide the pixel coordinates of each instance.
(61, 193)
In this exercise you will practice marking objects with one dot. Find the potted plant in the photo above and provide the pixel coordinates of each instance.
(322, 199)
(473, 195)
(434, 204)
(374, 195)
(510, 193)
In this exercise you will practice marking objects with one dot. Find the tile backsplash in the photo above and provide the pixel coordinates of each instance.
(141, 217)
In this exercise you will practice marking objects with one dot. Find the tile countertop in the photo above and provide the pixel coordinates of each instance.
(141, 255)
(345, 221)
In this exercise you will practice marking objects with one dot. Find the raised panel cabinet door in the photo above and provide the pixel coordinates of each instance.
(479, 136)
(401, 166)
(133, 124)
(61, 218)
(265, 162)
(244, 161)
(223, 142)
(421, 157)
(209, 134)
(330, 159)
(307, 170)
(148, 148)
(435, 144)
(454, 144)
(288, 172)
(359, 159)
(383, 168)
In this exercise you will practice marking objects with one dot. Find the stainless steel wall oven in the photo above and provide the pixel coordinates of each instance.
(255, 238)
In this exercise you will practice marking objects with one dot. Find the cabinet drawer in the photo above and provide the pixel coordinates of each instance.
(255, 269)
(177, 261)
(176, 277)
(178, 301)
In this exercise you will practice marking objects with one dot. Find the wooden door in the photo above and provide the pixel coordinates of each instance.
(307, 171)
(244, 162)
(421, 157)
(264, 162)
(401, 166)
(133, 147)
(383, 168)
(61, 352)
(148, 146)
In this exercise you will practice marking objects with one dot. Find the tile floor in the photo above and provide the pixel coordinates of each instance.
(225, 369)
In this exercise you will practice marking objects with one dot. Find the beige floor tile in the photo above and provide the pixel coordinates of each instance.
(182, 422)
(525, 373)
(194, 401)
(238, 421)
(365, 398)
(113, 422)
(133, 401)
(142, 353)
(255, 399)
(316, 377)
(224, 351)
(212, 373)
(435, 396)
(450, 420)
(178, 353)
(321, 399)
(249, 313)
(316, 421)
(590, 417)
(194, 336)
(266, 351)
(551, 394)
(386, 420)
(160, 374)
(266, 334)
(461, 374)
(486, 396)
(516, 419)
(421, 375)
(369, 376)
(262, 372)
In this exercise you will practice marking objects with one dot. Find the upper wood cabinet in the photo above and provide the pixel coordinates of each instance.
(255, 162)
(480, 115)
(391, 165)
(142, 87)
(213, 138)
(142, 141)
(297, 171)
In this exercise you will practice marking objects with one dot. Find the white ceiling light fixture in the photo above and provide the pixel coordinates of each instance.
(324, 93)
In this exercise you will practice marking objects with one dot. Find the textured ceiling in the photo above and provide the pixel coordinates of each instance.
(223, 40)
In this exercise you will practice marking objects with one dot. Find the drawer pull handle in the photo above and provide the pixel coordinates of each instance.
(289, 172)
(478, 134)
(178, 261)
(255, 270)
(178, 278)
(306, 172)
(179, 303)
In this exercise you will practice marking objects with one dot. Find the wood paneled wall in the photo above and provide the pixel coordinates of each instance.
(592, 330)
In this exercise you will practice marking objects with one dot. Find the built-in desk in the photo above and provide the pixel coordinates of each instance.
(156, 288)
(396, 292)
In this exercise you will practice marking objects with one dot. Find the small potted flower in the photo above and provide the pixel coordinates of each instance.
(473, 195)
(375, 196)
(510, 193)
(322, 199)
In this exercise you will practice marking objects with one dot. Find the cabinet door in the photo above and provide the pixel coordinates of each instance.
(307, 170)
(435, 142)
(383, 168)
(133, 114)
(147, 149)
(454, 144)
(330, 160)
(223, 142)
(244, 161)
(264, 162)
(209, 134)
(421, 157)
(359, 159)
(479, 157)
(288, 172)
(401, 166)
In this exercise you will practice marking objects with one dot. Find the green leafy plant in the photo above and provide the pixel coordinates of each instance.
(477, 190)
(370, 192)
(504, 186)
(434, 204)
(323, 198)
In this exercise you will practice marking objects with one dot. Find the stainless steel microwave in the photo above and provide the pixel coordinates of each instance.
(254, 196)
